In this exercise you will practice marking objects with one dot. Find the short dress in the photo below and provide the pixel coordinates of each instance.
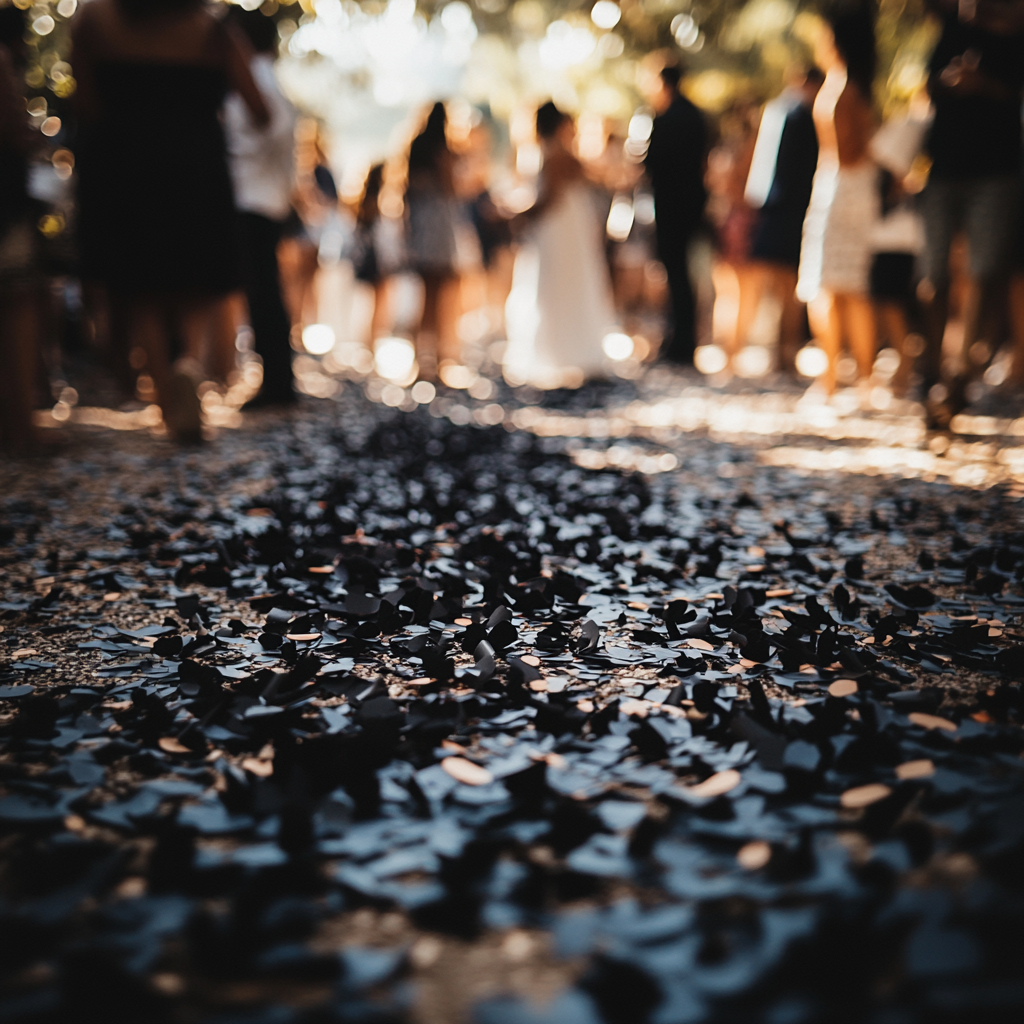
(836, 249)
(156, 206)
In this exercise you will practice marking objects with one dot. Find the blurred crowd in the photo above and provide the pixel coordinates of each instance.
(186, 226)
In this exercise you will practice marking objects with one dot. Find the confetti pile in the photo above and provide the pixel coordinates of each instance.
(397, 691)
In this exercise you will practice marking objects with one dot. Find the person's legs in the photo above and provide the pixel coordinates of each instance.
(791, 322)
(859, 318)
(823, 313)
(941, 207)
(990, 220)
(892, 320)
(680, 339)
(426, 336)
(750, 278)
(271, 325)
(380, 322)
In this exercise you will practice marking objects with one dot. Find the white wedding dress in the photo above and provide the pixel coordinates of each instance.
(560, 307)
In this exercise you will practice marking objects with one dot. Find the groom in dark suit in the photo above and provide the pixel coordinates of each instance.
(675, 162)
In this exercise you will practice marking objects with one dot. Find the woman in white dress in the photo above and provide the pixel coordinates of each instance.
(559, 309)
(836, 252)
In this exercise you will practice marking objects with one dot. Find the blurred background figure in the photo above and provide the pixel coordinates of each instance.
(19, 326)
(431, 242)
(779, 185)
(157, 217)
(378, 252)
(975, 79)
(263, 169)
(898, 236)
(733, 219)
(676, 159)
(835, 256)
(560, 309)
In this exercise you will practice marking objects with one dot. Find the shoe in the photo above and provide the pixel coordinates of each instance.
(269, 400)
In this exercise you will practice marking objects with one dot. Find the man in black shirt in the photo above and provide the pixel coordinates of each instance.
(675, 164)
(976, 76)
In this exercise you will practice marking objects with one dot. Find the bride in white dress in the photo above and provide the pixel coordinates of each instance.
(559, 310)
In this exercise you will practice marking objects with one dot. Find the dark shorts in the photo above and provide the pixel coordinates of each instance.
(892, 276)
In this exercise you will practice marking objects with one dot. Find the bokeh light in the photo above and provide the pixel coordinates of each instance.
(811, 361)
(617, 346)
(318, 339)
(394, 358)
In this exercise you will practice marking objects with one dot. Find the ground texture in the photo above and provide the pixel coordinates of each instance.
(643, 704)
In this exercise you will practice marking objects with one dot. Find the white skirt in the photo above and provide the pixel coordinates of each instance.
(836, 251)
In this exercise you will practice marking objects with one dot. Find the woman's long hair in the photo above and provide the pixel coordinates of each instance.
(853, 27)
(428, 146)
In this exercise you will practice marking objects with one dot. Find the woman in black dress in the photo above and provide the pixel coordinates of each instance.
(156, 211)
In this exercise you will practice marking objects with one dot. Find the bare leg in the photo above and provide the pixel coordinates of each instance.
(935, 309)
(825, 323)
(894, 326)
(381, 319)
(860, 325)
(750, 281)
(448, 346)
(426, 338)
(783, 286)
(220, 353)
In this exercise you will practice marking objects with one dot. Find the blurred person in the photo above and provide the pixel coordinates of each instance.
(835, 255)
(734, 219)
(779, 185)
(157, 221)
(262, 160)
(675, 162)
(559, 310)
(431, 239)
(378, 252)
(976, 74)
(19, 309)
(898, 236)
(1017, 298)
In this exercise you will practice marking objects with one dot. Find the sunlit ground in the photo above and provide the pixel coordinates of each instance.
(642, 418)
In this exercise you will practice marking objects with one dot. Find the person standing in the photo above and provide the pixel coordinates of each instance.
(431, 244)
(559, 309)
(780, 180)
(157, 222)
(676, 159)
(263, 169)
(976, 75)
(836, 247)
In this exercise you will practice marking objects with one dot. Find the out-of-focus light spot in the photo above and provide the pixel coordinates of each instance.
(685, 30)
(610, 45)
(456, 17)
(880, 398)
(887, 362)
(481, 389)
(564, 45)
(44, 25)
(490, 415)
(50, 127)
(605, 14)
(36, 107)
(318, 339)
(61, 412)
(710, 359)
(620, 219)
(394, 357)
(640, 127)
(643, 208)
(392, 395)
(67, 8)
(753, 361)
(423, 392)
(811, 361)
(617, 346)
(997, 373)
(528, 160)
(456, 375)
